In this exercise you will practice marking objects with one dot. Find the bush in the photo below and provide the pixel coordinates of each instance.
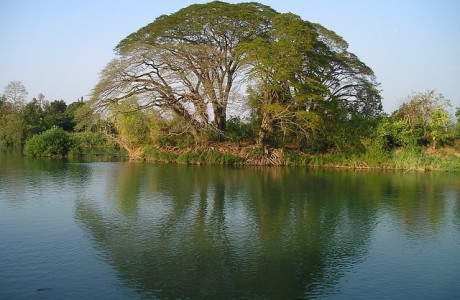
(297, 159)
(53, 142)
(90, 140)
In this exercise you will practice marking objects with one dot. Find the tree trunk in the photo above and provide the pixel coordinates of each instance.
(265, 127)
(220, 118)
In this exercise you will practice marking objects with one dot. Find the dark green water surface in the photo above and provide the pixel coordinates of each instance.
(127, 230)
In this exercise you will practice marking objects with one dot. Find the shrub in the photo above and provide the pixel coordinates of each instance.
(238, 131)
(90, 140)
(53, 142)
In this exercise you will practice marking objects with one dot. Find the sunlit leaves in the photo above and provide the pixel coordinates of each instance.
(426, 115)
(439, 122)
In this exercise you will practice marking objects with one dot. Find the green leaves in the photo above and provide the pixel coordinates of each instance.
(439, 122)
(426, 116)
(299, 74)
(217, 23)
(53, 142)
(186, 63)
(396, 133)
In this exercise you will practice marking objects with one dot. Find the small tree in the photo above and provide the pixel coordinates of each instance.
(15, 93)
(417, 112)
(438, 123)
(55, 115)
(32, 116)
(11, 123)
(11, 130)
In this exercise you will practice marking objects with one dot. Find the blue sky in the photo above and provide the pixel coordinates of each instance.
(59, 47)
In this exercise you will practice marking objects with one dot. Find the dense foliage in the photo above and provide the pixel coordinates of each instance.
(299, 75)
(24, 120)
(286, 90)
(44, 128)
(53, 142)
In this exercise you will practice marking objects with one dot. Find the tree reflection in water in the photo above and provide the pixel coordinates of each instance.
(194, 232)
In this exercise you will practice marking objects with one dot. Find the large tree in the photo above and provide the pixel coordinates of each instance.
(186, 62)
(303, 77)
(276, 63)
(333, 74)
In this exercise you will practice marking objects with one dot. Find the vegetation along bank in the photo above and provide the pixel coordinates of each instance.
(222, 83)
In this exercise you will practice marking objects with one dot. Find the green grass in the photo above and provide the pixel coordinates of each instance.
(155, 155)
(409, 159)
(209, 157)
(198, 157)
(396, 160)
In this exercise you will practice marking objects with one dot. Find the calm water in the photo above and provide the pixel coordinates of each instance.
(124, 230)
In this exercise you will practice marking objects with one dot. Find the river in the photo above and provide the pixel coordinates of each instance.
(133, 230)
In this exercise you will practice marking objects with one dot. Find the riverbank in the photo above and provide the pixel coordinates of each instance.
(443, 159)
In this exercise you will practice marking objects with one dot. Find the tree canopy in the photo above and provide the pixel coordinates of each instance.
(185, 63)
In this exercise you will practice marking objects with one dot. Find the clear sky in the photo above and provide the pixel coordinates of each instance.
(59, 47)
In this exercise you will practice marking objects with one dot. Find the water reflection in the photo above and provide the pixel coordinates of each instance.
(456, 209)
(206, 232)
(23, 178)
(179, 231)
